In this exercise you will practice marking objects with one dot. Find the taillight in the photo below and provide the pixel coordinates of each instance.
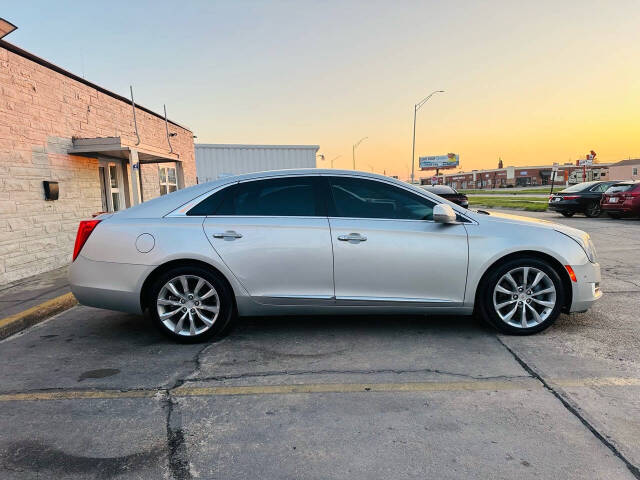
(84, 230)
(570, 197)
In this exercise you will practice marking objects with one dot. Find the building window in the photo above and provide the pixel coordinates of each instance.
(168, 180)
(634, 171)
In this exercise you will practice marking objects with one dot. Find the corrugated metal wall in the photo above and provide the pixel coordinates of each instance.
(216, 161)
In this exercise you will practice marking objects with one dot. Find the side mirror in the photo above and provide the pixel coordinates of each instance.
(443, 213)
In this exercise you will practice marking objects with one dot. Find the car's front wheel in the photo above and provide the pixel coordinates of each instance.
(521, 296)
(191, 304)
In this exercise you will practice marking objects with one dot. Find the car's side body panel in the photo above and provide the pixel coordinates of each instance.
(277, 259)
(404, 261)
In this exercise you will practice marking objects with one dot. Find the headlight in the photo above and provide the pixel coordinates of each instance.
(586, 244)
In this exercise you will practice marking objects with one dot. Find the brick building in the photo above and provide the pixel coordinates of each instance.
(58, 127)
(522, 176)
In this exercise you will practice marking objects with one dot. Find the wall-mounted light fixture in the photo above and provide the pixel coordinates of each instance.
(50, 190)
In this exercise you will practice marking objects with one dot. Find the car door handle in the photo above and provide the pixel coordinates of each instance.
(228, 234)
(352, 237)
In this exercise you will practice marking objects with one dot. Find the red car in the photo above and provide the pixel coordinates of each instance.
(622, 199)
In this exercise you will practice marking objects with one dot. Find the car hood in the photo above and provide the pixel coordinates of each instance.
(500, 217)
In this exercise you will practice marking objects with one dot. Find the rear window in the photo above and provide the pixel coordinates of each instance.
(622, 187)
(440, 189)
(579, 187)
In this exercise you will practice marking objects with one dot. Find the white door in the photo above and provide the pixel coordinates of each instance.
(274, 236)
(388, 249)
(112, 185)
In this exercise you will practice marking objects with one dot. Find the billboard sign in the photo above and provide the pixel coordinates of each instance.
(450, 160)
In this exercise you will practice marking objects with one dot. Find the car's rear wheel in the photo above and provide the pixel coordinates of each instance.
(568, 214)
(593, 209)
(191, 304)
(522, 296)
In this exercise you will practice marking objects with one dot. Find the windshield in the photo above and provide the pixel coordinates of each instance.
(579, 187)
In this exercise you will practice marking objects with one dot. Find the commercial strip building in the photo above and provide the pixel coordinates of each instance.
(89, 144)
(215, 161)
(523, 176)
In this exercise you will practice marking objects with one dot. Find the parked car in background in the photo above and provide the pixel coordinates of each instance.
(622, 199)
(581, 198)
(449, 193)
(327, 241)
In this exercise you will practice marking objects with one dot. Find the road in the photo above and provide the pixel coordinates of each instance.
(99, 394)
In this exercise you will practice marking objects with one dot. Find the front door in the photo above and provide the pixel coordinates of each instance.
(112, 185)
(387, 248)
(273, 234)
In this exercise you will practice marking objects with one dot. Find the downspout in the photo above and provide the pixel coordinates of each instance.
(166, 126)
(135, 123)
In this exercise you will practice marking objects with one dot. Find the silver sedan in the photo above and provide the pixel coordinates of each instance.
(327, 242)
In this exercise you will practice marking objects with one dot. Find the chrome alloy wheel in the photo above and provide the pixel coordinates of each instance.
(524, 297)
(188, 305)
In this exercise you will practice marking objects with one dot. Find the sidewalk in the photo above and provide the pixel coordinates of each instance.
(26, 302)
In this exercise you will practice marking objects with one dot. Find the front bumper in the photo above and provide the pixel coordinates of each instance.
(587, 289)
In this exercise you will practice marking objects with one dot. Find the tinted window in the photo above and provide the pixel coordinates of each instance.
(600, 188)
(579, 187)
(213, 204)
(359, 198)
(290, 197)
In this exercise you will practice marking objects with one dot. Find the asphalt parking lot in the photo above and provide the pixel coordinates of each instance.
(99, 394)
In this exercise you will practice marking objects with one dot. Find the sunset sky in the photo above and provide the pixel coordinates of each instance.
(531, 82)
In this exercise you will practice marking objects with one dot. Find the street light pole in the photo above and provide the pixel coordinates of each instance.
(335, 158)
(417, 107)
(353, 151)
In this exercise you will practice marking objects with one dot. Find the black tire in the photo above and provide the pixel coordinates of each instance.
(225, 303)
(593, 209)
(568, 214)
(616, 216)
(484, 298)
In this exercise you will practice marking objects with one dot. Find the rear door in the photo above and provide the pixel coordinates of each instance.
(273, 234)
(388, 249)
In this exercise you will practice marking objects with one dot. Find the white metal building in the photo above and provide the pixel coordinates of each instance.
(215, 161)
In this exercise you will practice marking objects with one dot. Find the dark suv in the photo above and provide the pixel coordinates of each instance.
(449, 193)
(581, 198)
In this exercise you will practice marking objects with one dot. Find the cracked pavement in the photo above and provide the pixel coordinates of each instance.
(98, 394)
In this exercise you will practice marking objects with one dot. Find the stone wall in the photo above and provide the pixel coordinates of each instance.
(41, 111)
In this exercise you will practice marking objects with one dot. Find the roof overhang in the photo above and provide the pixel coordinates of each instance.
(6, 27)
(111, 147)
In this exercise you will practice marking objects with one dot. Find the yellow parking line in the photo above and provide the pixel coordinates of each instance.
(596, 382)
(76, 395)
(301, 388)
(187, 391)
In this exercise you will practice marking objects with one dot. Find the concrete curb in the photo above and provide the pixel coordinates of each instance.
(18, 322)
